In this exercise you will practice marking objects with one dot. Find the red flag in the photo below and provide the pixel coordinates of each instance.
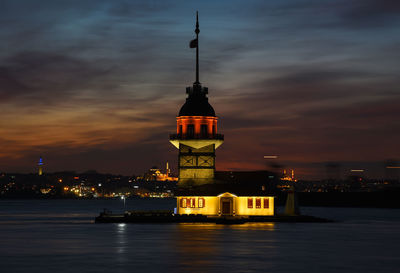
(193, 43)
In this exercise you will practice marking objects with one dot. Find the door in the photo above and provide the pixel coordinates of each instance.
(226, 206)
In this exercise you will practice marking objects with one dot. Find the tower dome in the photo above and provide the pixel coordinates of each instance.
(197, 103)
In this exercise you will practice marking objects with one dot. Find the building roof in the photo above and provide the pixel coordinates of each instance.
(197, 108)
(197, 102)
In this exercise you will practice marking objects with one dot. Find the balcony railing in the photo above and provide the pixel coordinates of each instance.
(196, 136)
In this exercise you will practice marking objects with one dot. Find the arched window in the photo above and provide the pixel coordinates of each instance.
(250, 203)
(202, 202)
(192, 202)
(183, 203)
(190, 130)
(203, 130)
(258, 203)
(266, 203)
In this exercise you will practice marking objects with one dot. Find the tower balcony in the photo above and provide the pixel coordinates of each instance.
(196, 136)
(196, 141)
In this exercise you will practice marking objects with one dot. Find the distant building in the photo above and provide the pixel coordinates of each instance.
(40, 166)
(155, 174)
(287, 177)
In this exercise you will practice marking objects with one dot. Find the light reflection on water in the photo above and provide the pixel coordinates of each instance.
(193, 228)
(202, 246)
(59, 235)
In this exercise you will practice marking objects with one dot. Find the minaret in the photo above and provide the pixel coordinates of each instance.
(196, 133)
(167, 169)
(40, 165)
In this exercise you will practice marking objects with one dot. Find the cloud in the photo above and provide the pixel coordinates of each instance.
(309, 14)
(371, 13)
(101, 82)
(307, 112)
(45, 76)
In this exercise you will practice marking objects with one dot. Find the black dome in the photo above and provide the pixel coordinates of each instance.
(199, 107)
(197, 102)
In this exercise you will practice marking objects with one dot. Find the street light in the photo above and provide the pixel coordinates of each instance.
(123, 198)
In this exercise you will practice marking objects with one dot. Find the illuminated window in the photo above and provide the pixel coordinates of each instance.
(258, 203)
(201, 203)
(183, 203)
(250, 203)
(192, 202)
(266, 203)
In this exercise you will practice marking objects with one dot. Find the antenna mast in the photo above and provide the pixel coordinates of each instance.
(197, 31)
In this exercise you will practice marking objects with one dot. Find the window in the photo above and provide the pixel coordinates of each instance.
(201, 203)
(180, 130)
(192, 202)
(213, 130)
(203, 130)
(183, 203)
(258, 203)
(250, 203)
(190, 130)
(266, 203)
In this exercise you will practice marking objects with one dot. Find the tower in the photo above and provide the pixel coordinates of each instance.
(196, 133)
(40, 166)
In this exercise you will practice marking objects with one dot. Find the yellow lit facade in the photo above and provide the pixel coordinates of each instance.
(226, 204)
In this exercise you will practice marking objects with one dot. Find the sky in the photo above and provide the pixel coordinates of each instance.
(97, 85)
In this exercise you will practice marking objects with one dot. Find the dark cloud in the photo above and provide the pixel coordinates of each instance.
(309, 16)
(39, 74)
(310, 111)
(97, 84)
(134, 9)
(371, 13)
(9, 85)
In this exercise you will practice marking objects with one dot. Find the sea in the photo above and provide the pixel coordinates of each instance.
(61, 236)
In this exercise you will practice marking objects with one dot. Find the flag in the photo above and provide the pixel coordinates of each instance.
(193, 43)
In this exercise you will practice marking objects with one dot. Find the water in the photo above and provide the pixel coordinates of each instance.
(60, 236)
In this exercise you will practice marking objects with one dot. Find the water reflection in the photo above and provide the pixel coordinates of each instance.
(196, 245)
(254, 226)
(204, 246)
(189, 227)
(121, 240)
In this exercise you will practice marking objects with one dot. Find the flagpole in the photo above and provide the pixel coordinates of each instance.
(197, 47)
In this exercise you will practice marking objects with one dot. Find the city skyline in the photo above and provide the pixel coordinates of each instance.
(97, 85)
